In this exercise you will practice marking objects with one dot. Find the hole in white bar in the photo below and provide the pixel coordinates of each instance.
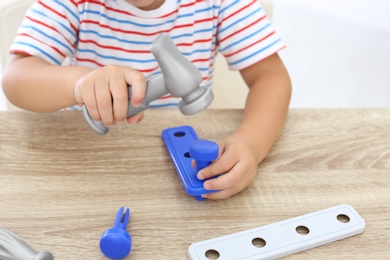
(258, 242)
(212, 254)
(302, 230)
(343, 218)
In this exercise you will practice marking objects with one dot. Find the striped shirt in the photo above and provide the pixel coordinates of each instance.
(96, 33)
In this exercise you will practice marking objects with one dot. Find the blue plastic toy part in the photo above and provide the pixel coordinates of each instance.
(115, 242)
(183, 146)
(203, 152)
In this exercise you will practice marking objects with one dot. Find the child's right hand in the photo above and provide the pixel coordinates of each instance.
(104, 92)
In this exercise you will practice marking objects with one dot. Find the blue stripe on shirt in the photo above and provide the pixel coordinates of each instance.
(126, 60)
(204, 9)
(48, 36)
(228, 7)
(114, 58)
(68, 9)
(245, 38)
(113, 38)
(153, 75)
(195, 51)
(240, 20)
(142, 24)
(255, 53)
(144, 42)
(62, 25)
(140, 42)
(124, 21)
(40, 50)
(192, 34)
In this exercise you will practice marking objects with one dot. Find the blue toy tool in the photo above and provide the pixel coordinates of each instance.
(115, 242)
(183, 146)
(203, 152)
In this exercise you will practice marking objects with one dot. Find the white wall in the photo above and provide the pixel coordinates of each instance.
(338, 51)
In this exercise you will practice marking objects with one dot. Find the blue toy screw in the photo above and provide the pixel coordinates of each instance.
(203, 152)
(115, 242)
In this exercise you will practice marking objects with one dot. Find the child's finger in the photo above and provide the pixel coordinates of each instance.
(104, 102)
(137, 82)
(224, 181)
(136, 118)
(223, 194)
(223, 164)
(120, 99)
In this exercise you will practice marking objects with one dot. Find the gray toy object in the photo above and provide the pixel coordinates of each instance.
(179, 78)
(12, 248)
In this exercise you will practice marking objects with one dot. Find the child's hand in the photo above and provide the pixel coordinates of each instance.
(104, 92)
(237, 164)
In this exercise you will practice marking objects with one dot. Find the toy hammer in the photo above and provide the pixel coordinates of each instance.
(179, 78)
(12, 247)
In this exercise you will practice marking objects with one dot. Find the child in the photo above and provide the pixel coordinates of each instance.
(107, 47)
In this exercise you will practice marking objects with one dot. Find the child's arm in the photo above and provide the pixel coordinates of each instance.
(264, 116)
(32, 83)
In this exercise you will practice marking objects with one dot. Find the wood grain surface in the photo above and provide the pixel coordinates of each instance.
(61, 184)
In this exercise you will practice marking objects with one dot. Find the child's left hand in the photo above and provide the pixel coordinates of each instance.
(236, 164)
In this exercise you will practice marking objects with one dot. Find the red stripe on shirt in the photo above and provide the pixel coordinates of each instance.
(105, 6)
(242, 29)
(90, 61)
(117, 10)
(236, 12)
(54, 48)
(166, 97)
(121, 30)
(20, 52)
(60, 15)
(247, 47)
(192, 43)
(50, 27)
(113, 47)
(200, 60)
(102, 65)
(74, 3)
(189, 25)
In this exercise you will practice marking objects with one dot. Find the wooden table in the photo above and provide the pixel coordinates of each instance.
(61, 184)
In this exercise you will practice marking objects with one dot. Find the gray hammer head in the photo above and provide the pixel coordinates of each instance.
(12, 247)
(179, 78)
